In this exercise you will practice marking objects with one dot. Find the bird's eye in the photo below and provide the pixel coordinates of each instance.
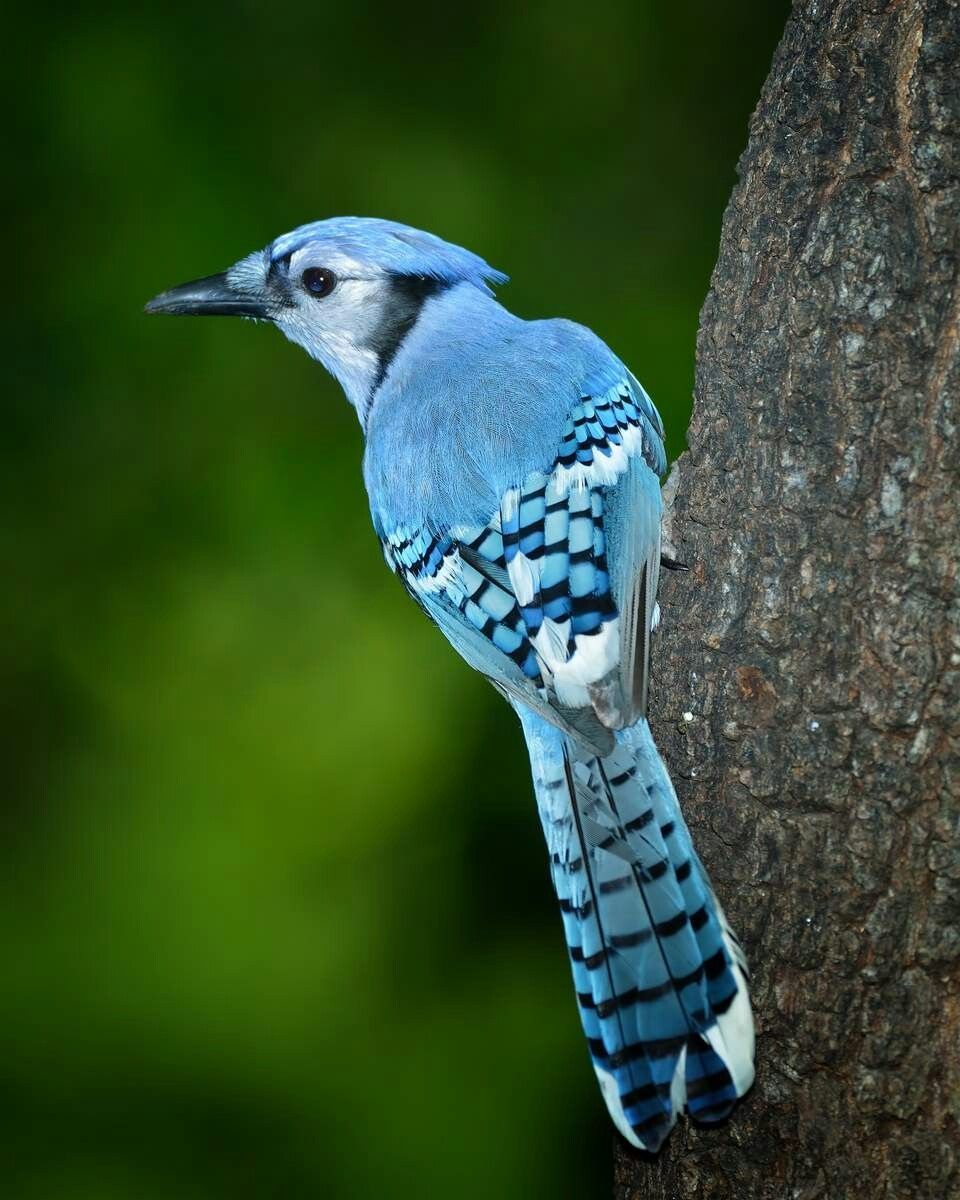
(319, 281)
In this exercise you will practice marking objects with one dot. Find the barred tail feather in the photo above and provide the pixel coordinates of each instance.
(659, 976)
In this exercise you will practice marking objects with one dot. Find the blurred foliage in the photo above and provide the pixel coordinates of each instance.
(275, 912)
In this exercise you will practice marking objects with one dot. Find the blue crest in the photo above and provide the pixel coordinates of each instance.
(393, 248)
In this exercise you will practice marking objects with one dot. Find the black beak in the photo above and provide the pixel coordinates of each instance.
(213, 296)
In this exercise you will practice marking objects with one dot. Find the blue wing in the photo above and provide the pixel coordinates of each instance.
(552, 599)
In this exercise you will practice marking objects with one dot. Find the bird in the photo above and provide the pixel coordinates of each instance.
(513, 473)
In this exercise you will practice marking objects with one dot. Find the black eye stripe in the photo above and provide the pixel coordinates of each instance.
(318, 281)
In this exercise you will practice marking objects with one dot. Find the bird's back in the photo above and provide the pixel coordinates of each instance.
(475, 400)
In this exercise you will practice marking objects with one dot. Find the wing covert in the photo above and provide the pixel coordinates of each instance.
(553, 599)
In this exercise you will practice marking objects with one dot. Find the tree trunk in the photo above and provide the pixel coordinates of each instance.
(806, 673)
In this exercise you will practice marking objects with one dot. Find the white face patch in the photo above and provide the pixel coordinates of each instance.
(339, 330)
(357, 325)
(349, 314)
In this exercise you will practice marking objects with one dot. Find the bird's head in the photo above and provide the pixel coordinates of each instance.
(347, 289)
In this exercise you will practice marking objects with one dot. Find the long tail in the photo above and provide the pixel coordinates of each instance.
(660, 977)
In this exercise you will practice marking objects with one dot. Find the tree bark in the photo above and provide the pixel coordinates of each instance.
(806, 673)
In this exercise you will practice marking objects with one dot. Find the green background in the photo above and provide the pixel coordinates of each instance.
(275, 913)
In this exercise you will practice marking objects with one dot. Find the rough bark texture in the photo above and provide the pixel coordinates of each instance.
(807, 669)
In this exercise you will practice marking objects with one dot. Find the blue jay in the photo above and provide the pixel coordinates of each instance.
(513, 474)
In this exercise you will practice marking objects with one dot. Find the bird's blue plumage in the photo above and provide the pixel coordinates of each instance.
(389, 246)
(659, 978)
(473, 380)
(512, 470)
